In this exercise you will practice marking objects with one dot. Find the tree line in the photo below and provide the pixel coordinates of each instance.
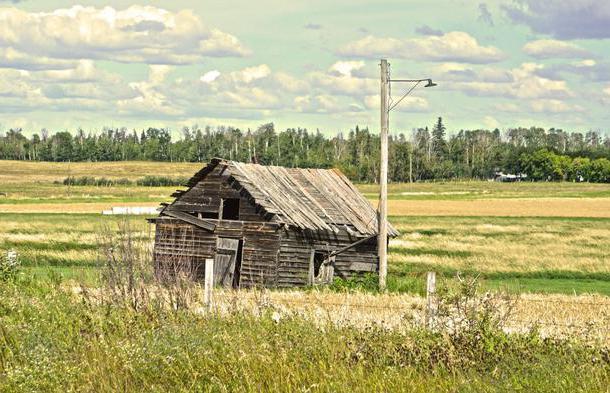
(423, 154)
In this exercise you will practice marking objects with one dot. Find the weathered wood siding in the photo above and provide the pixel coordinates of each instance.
(205, 196)
(184, 245)
(295, 253)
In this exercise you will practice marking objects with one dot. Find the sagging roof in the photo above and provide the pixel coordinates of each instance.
(314, 199)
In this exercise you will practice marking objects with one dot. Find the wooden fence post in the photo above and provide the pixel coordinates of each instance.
(430, 298)
(208, 283)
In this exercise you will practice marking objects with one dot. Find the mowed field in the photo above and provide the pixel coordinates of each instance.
(525, 237)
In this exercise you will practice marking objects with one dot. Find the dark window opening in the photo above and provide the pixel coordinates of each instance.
(230, 209)
(318, 258)
(213, 215)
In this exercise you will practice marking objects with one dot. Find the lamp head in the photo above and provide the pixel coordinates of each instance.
(430, 83)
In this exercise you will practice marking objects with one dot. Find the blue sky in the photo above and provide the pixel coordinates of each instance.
(314, 64)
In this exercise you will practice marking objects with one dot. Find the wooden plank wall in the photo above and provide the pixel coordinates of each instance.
(183, 244)
(295, 251)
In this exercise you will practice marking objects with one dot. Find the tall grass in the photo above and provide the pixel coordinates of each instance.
(50, 340)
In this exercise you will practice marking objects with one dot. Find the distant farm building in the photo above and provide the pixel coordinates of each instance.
(508, 177)
(268, 225)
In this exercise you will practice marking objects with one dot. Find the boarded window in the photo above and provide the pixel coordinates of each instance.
(230, 209)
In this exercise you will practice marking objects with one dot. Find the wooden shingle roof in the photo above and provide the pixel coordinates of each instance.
(314, 199)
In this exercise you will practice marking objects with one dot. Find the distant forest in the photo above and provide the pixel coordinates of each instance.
(424, 154)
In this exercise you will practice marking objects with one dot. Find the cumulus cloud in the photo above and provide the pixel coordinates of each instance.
(149, 97)
(11, 58)
(316, 104)
(522, 82)
(554, 106)
(588, 69)
(454, 46)
(137, 34)
(344, 78)
(546, 49)
(563, 19)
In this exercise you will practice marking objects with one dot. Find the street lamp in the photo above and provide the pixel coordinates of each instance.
(382, 239)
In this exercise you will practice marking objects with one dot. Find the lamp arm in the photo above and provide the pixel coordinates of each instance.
(406, 94)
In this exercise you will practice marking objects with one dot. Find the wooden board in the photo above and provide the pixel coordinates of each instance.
(224, 261)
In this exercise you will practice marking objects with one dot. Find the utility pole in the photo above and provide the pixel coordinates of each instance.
(382, 238)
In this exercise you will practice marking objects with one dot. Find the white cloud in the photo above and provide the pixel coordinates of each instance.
(522, 82)
(316, 104)
(290, 84)
(149, 97)
(546, 49)
(250, 74)
(11, 58)
(454, 46)
(554, 106)
(345, 68)
(137, 34)
(344, 78)
(210, 76)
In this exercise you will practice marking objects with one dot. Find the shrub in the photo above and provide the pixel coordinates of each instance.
(161, 181)
(93, 181)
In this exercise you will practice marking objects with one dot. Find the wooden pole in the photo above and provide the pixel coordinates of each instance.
(383, 180)
(430, 294)
(208, 283)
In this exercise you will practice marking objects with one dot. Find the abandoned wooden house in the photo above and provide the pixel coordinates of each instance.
(268, 225)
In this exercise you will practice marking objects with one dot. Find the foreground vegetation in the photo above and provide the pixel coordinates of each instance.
(53, 339)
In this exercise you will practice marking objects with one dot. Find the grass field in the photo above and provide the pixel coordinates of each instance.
(547, 242)
(538, 237)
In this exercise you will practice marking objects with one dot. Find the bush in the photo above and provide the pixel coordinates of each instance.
(93, 181)
(146, 181)
(161, 181)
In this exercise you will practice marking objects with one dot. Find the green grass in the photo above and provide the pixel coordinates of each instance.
(535, 254)
(51, 340)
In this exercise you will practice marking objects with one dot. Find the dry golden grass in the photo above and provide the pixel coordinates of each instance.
(539, 207)
(86, 207)
(534, 207)
(496, 245)
(20, 171)
(553, 315)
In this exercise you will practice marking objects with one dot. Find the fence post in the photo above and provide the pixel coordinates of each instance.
(430, 298)
(208, 283)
